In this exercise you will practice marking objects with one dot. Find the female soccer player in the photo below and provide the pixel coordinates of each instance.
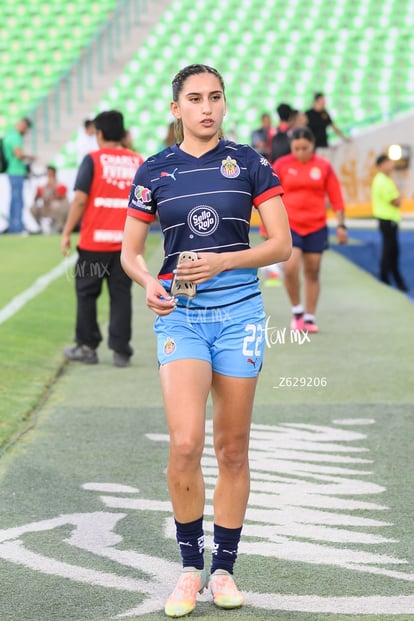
(307, 180)
(203, 189)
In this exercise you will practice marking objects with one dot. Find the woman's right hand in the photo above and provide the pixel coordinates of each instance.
(157, 298)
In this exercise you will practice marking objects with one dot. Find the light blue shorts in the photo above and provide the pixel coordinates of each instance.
(234, 348)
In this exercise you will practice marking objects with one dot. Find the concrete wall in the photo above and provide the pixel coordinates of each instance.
(355, 164)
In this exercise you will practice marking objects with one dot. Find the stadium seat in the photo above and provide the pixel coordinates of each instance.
(42, 41)
(360, 55)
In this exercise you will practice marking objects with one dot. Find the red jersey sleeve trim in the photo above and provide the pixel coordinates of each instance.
(270, 193)
(139, 215)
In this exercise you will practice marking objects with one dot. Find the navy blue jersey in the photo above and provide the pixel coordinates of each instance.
(204, 204)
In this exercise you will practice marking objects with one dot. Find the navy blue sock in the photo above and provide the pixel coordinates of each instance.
(190, 538)
(226, 541)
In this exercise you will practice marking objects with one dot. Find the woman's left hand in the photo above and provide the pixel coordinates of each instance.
(209, 264)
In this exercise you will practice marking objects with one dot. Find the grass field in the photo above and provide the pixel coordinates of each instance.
(86, 530)
(32, 340)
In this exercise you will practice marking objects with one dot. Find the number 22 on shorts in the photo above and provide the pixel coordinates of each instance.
(252, 342)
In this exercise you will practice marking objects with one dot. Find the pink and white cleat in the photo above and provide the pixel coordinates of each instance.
(224, 590)
(183, 599)
(310, 327)
(297, 323)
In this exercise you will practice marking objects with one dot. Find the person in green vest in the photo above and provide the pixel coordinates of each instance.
(386, 201)
(17, 161)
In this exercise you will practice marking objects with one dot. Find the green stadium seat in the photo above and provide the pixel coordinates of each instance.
(41, 41)
(358, 54)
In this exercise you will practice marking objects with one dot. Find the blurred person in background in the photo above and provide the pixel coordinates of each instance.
(280, 146)
(128, 141)
(386, 202)
(280, 143)
(18, 163)
(307, 180)
(319, 120)
(86, 140)
(297, 119)
(261, 138)
(51, 205)
(100, 203)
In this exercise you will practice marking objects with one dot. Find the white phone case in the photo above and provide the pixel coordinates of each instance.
(184, 287)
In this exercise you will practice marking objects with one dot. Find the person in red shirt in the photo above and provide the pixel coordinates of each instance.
(307, 181)
(51, 205)
(101, 197)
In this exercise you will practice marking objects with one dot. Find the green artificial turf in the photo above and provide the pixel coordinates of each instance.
(86, 527)
(32, 340)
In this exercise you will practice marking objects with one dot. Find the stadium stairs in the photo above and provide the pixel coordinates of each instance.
(46, 150)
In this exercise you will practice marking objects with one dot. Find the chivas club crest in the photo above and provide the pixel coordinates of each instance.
(169, 346)
(230, 168)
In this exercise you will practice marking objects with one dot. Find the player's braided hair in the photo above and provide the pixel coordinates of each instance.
(178, 83)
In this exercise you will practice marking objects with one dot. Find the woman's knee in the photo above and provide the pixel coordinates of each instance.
(233, 455)
(185, 450)
(311, 273)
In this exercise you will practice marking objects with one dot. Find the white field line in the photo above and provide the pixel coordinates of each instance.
(37, 287)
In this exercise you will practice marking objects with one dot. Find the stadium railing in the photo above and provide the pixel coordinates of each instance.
(78, 78)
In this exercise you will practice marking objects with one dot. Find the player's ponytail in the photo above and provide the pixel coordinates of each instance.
(179, 132)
